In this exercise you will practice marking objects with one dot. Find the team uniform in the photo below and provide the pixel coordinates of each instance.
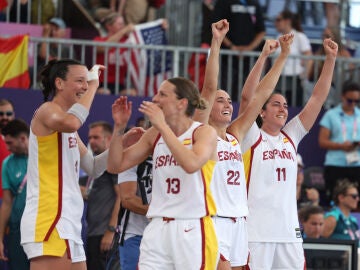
(51, 223)
(275, 240)
(181, 234)
(229, 189)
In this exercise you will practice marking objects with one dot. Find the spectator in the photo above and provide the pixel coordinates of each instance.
(117, 31)
(135, 189)
(332, 12)
(312, 221)
(304, 195)
(248, 37)
(135, 11)
(339, 223)
(295, 69)
(340, 135)
(7, 114)
(197, 62)
(38, 16)
(207, 8)
(103, 205)
(14, 168)
(55, 28)
(311, 13)
(346, 69)
(95, 5)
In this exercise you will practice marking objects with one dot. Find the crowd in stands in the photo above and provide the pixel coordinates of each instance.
(297, 80)
(117, 191)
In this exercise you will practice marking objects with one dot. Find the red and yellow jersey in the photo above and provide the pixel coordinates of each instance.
(53, 195)
(178, 194)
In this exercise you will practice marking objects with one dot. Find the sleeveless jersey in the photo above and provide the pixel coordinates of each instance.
(53, 193)
(175, 193)
(228, 184)
(271, 169)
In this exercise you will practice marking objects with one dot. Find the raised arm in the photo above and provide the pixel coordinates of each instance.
(243, 122)
(219, 30)
(51, 117)
(321, 90)
(253, 78)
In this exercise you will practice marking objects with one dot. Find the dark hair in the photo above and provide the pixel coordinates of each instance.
(52, 70)
(185, 88)
(105, 125)
(349, 86)
(307, 211)
(15, 128)
(139, 120)
(294, 19)
(4, 101)
(259, 120)
(341, 188)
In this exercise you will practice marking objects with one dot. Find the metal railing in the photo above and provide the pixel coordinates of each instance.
(85, 52)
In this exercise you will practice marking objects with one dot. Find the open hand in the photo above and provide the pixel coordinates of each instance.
(121, 111)
(153, 111)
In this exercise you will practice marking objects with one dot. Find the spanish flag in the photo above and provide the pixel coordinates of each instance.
(14, 62)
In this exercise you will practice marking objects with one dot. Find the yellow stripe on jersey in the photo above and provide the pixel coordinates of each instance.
(55, 246)
(48, 162)
(186, 141)
(207, 172)
(210, 244)
(247, 163)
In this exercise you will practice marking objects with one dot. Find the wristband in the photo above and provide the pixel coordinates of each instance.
(93, 74)
(79, 111)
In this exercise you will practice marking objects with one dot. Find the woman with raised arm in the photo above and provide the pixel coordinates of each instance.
(180, 234)
(228, 184)
(51, 223)
(274, 235)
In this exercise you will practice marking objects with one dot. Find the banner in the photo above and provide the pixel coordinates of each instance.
(149, 68)
(14, 62)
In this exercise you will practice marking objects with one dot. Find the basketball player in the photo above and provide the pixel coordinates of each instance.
(228, 185)
(180, 234)
(271, 165)
(51, 223)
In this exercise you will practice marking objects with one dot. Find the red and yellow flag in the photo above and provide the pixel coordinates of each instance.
(14, 62)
